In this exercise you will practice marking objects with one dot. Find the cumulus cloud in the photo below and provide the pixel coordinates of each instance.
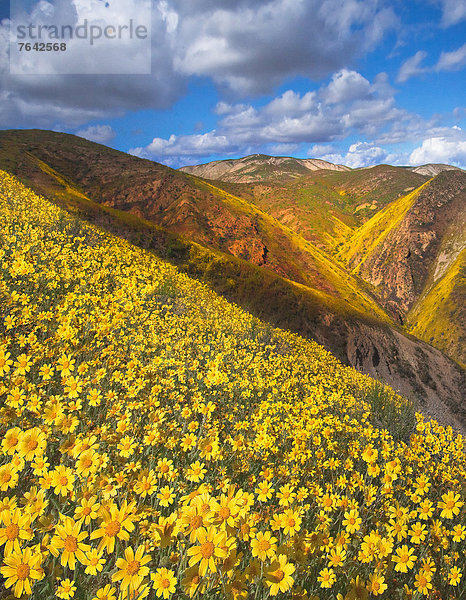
(449, 149)
(102, 134)
(245, 48)
(290, 119)
(251, 47)
(359, 154)
(72, 100)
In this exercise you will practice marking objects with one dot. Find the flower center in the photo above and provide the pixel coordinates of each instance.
(264, 545)
(164, 583)
(207, 549)
(279, 575)
(133, 567)
(224, 512)
(22, 571)
(196, 521)
(70, 544)
(32, 444)
(112, 528)
(12, 531)
(63, 480)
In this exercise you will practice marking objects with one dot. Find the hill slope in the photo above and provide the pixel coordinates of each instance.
(341, 315)
(153, 429)
(76, 171)
(407, 250)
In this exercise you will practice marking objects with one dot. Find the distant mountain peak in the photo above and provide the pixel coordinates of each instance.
(433, 169)
(260, 167)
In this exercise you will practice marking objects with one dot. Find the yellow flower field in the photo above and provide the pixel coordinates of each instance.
(158, 442)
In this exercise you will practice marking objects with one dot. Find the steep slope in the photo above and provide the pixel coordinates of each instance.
(323, 206)
(73, 172)
(146, 421)
(76, 172)
(406, 251)
(439, 315)
(260, 167)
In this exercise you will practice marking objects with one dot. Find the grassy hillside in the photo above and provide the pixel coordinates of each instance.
(407, 252)
(158, 441)
(370, 236)
(439, 314)
(78, 173)
(325, 206)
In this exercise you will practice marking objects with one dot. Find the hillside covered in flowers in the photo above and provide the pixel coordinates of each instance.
(157, 441)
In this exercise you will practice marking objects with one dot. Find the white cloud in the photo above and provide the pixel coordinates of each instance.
(449, 149)
(251, 47)
(454, 11)
(412, 67)
(360, 154)
(452, 61)
(246, 48)
(347, 86)
(291, 119)
(102, 134)
(448, 61)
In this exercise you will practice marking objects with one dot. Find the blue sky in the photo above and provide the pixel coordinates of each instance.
(357, 82)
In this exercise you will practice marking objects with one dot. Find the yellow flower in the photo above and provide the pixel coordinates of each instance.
(94, 562)
(404, 559)
(88, 510)
(337, 557)
(264, 491)
(131, 568)
(22, 365)
(286, 495)
(73, 387)
(10, 440)
(278, 575)
(66, 365)
(66, 589)
(17, 528)
(290, 522)
(196, 472)
(422, 582)
(62, 480)
(32, 443)
(454, 576)
(326, 578)
(192, 582)
(166, 496)
(264, 545)
(450, 505)
(21, 568)
(105, 593)
(418, 533)
(164, 582)
(8, 477)
(352, 521)
(376, 585)
(69, 538)
(211, 547)
(116, 523)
